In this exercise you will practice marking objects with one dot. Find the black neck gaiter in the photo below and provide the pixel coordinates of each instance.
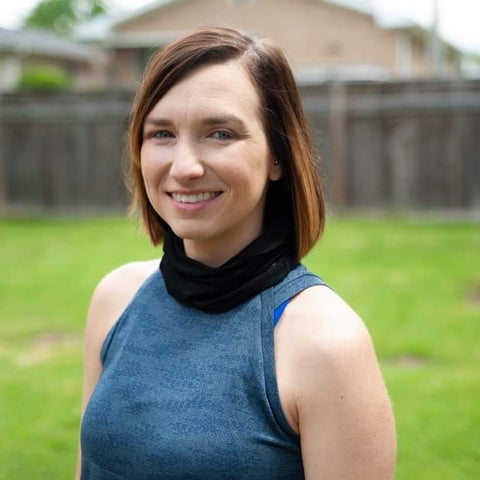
(261, 264)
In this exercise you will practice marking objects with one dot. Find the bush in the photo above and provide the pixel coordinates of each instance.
(45, 78)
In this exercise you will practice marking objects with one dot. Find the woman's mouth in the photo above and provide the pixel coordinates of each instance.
(193, 197)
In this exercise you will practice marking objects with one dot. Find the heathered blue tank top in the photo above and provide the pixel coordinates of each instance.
(187, 395)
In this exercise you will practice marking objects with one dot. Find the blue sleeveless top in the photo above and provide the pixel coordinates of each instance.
(189, 395)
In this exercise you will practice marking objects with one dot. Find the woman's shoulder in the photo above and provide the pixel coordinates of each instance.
(114, 292)
(325, 335)
(320, 316)
(131, 272)
(121, 284)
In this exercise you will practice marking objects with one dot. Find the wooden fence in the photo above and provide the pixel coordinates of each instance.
(62, 151)
(402, 145)
(399, 145)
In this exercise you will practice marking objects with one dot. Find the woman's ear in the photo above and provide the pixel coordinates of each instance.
(275, 170)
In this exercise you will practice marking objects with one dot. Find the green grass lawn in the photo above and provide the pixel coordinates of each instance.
(416, 285)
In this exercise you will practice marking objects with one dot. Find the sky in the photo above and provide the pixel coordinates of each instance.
(458, 19)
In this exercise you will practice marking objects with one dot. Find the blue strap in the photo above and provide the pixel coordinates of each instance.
(278, 311)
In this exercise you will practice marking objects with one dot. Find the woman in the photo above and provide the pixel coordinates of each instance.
(231, 361)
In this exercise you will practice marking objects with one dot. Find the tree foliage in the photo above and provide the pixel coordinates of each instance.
(45, 78)
(60, 16)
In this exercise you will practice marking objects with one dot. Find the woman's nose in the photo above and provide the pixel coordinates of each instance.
(186, 162)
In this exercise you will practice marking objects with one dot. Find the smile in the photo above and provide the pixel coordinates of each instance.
(194, 197)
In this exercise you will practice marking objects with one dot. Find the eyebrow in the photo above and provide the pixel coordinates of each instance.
(157, 121)
(209, 121)
(222, 119)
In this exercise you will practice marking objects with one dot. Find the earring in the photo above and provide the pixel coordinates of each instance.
(276, 162)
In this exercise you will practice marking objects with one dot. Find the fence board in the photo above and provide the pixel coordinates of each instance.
(403, 155)
(365, 158)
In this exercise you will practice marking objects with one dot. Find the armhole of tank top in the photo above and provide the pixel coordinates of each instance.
(277, 313)
(288, 292)
(111, 333)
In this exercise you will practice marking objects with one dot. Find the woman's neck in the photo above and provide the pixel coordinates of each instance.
(216, 252)
(221, 274)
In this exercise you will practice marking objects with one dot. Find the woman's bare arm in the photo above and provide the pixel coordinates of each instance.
(345, 416)
(109, 300)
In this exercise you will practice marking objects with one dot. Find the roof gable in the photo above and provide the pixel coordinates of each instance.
(102, 27)
(344, 5)
(40, 42)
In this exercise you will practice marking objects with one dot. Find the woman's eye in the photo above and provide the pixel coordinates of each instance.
(162, 134)
(159, 134)
(222, 135)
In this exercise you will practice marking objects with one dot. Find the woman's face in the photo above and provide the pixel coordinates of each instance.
(206, 162)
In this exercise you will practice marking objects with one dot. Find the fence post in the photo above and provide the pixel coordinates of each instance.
(338, 135)
(3, 173)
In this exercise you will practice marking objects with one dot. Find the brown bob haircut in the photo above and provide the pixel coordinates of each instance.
(297, 197)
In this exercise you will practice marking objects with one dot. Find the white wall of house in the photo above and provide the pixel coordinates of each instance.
(404, 55)
(10, 71)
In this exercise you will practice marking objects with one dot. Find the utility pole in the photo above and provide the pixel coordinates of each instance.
(435, 44)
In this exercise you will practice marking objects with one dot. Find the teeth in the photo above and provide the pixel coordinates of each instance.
(196, 197)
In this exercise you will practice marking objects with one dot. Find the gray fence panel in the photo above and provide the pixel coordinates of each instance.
(399, 145)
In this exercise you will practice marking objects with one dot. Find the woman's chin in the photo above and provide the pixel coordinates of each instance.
(193, 234)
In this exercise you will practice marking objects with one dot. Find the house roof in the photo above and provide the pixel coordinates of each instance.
(100, 28)
(39, 42)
